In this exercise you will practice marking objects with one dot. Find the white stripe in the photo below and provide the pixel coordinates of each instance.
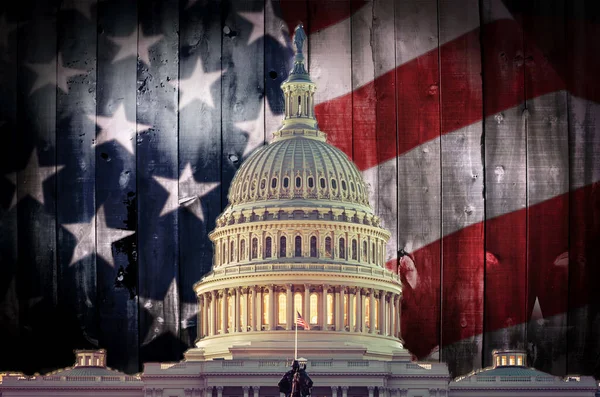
(419, 210)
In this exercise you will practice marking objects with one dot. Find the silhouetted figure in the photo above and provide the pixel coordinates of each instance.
(295, 382)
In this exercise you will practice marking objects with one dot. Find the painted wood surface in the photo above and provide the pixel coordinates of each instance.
(475, 126)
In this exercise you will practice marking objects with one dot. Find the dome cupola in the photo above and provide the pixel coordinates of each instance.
(298, 238)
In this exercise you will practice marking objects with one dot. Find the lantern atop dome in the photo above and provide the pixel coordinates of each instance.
(299, 90)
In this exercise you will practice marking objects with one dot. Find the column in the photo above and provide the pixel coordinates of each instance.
(236, 309)
(306, 313)
(398, 316)
(382, 315)
(245, 389)
(208, 391)
(289, 307)
(337, 315)
(187, 392)
(344, 391)
(149, 392)
(271, 313)
(334, 390)
(199, 319)
(351, 295)
(372, 311)
(196, 392)
(219, 391)
(359, 314)
(224, 312)
(205, 314)
(255, 312)
(371, 390)
(342, 308)
(258, 311)
(324, 310)
(243, 291)
(213, 312)
(433, 392)
(256, 389)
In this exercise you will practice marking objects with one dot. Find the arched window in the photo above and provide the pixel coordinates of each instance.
(322, 181)
(328, 247)
(298, 181)
(313, 247)
(299, 105)
(298, 246)
(344, 185)
(282, 248)
(311, 183)
(231, 245)
(268, 247)
(354, 249)
(254, 248)
(314, 308)
(242, 250)
(274, 183)
(329, 309)
(263, 184)
(373, 253)
(333, 184)
(342, 248)
(286, 182)
(265, 309)
(352, 186)
(298, 304)
(365, 254)
(281, 303)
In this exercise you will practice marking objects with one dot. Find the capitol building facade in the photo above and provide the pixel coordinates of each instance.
(298, 239)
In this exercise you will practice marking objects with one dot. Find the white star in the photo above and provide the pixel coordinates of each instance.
(134, 45)
(83, 6)
(117, 128)
(52, 73)
(257, 19)
(255, 129)
(197, 86)
(185, 192)
(32, 177)
(12, 177)
(170, 304)
(85, 233)
(5, 29)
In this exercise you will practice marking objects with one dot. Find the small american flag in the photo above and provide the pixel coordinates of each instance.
(301, 321)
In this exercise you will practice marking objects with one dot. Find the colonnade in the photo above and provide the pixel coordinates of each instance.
(273, 307)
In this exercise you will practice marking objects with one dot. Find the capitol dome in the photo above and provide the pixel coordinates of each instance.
(298, 239)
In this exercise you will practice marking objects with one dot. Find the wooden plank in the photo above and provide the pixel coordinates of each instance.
(419, 176)
(583, 337)
(116, 188)
(157, 186)
(200, 149)
(374, 108)
(36, 191)
(505, 184)
(462, 189)
(278, 62)
(547, 181)
(76, 183)
(9, 301)
(330, 67)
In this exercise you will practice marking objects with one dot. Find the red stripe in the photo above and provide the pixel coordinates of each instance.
(463, 299)
(418, 91)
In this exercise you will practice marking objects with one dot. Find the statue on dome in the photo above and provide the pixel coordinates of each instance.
(299, 37)
(296, 382)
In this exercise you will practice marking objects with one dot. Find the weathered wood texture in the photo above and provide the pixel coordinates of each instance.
(116, 187)
(124, 123)
(505, 183)
(583, 335)
(547, 187)
(419, 173)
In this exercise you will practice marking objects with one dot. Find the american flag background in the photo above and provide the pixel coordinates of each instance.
(476, 124)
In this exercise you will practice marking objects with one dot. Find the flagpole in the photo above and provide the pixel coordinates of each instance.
(296, 343)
